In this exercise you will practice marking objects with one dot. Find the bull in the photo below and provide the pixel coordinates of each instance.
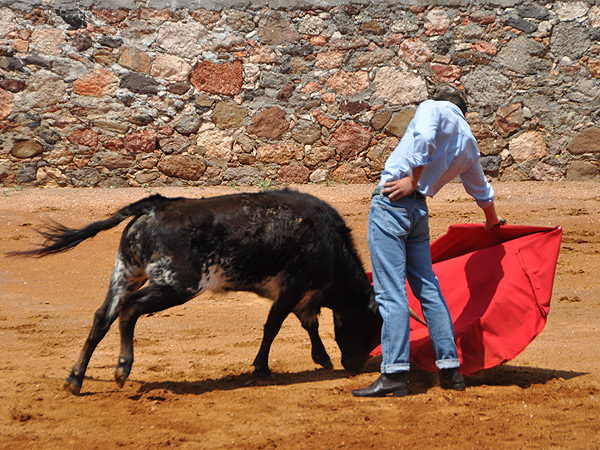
(290, 247)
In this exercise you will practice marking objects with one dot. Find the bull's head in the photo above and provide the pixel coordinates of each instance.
(357, 333)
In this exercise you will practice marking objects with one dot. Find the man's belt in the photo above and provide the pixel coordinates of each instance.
(415, 195)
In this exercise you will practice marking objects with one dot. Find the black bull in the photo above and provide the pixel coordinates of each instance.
(287, 246)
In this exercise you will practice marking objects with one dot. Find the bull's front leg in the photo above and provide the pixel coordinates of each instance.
(307, 312)
(279, 311)
(318, 353)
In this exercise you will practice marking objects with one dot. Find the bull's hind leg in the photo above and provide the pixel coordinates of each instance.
(149, 299)
(103, 319)
(122, 280)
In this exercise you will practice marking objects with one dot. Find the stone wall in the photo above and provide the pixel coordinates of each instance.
(135, 93)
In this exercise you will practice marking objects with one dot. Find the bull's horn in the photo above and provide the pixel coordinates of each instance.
(415, 316)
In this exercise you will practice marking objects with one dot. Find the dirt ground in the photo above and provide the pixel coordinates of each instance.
(191, 385)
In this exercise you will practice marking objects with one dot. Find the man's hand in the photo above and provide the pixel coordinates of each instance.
(492, 220)
(491, 225)
(395, 190)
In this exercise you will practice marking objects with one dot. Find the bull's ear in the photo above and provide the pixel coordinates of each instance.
(373, 304)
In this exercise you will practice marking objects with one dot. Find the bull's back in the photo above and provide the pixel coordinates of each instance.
(256, 236)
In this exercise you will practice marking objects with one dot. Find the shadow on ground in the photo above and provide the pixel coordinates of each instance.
(420, 381)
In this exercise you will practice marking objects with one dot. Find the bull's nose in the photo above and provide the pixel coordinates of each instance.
(353, 366)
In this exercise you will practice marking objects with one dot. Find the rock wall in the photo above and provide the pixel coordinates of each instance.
(135, 93)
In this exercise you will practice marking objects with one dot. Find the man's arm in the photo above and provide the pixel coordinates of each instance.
(491, 218)
(477, 186)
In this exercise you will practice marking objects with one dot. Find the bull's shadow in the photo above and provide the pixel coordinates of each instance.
(231, 382)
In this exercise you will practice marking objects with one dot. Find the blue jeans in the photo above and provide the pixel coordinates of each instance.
(398, 238)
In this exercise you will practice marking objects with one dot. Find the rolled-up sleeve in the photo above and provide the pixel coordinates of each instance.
(477, 186)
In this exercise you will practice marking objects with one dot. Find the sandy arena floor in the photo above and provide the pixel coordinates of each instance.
(191, 385)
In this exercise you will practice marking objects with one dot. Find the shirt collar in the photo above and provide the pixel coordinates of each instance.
(455, 108)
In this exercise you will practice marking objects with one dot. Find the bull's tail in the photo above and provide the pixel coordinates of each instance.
(60, 238)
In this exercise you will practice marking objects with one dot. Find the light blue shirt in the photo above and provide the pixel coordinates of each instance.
(440, 139)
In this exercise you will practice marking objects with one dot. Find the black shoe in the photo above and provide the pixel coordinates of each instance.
(452, 379)
(394, 383)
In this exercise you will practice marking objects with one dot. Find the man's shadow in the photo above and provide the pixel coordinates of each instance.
(421, 381)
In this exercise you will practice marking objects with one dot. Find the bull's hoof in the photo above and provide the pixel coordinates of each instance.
(121, 375)
(72, 385)
(262, 372)
(324, 361)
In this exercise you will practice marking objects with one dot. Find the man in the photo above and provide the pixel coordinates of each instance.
(437, 147)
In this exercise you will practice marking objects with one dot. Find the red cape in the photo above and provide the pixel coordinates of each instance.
(498, 287)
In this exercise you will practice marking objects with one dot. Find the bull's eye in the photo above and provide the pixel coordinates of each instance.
(337, 319)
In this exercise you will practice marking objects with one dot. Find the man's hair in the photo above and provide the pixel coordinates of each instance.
(453, 97)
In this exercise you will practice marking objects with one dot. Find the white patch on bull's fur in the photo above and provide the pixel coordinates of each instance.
(117, 285)
(214, 280)
(160, 271)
